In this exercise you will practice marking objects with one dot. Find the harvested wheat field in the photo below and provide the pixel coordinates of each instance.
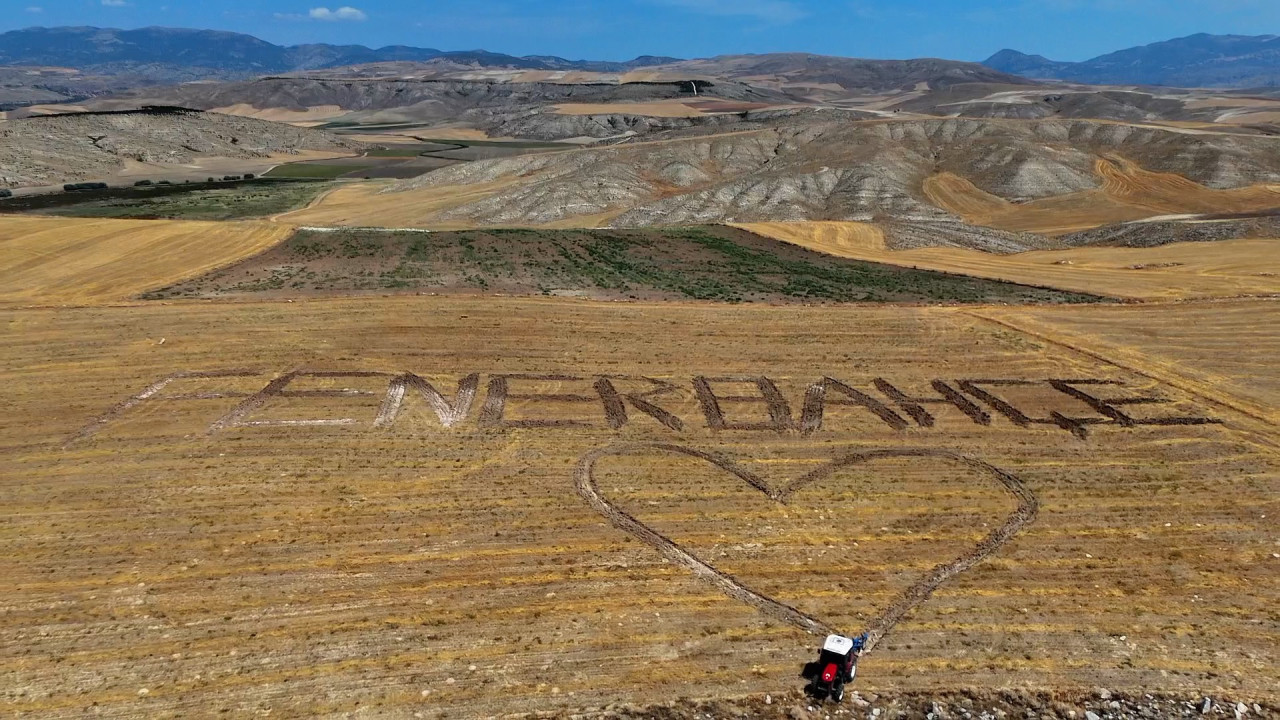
(366, 204)
(1128, 193)
(834, 238)
(1227, 268)
(1223, 350)
(463, 506)
(451, 506)
(53, 261)
(310, 116)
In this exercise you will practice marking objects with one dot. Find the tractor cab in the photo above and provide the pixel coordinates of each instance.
(836, 666)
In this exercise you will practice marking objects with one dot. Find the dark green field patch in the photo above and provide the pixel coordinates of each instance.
(675, 263)
(314, 170)
(402, 151)
(509, 144)
(231, 201)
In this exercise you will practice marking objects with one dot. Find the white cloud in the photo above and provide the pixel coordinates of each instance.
(343, 13)
(35, 9)
(115, 3)
(774, 11)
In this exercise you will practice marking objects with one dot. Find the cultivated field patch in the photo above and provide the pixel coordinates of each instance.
(404, 160)
(673, 263)
(1227, 351)
(834, 238)
(74, 260)
(305, 117)
(1225, 268)
(326, 171)
(1128, 193)
(367, 204)
(187, 201)
(338, 505)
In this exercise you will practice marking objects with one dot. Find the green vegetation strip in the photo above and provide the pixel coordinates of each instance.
(675, 263)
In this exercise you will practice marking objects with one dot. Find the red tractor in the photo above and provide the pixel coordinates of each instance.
(836, 666)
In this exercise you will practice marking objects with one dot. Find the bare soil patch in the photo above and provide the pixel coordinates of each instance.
(402, 161)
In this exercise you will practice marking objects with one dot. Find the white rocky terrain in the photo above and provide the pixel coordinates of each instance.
(826, 167)
(66, 148)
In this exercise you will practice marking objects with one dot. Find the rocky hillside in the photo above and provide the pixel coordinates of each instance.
(428, 100)
(23, 86)
(819, 167)
(1000, 101)
(67, 148)
(544, 124)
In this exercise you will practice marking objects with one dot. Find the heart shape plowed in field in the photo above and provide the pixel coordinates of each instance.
(715, 470)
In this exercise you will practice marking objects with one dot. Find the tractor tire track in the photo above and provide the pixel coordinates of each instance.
(920, 591)
(100, 421)
(585, 479)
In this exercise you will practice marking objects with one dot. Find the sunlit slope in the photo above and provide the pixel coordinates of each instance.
(1007, 179)
(365, 204)
(1228, 268)
(85, 261)
(1127, 193)
(835, 238)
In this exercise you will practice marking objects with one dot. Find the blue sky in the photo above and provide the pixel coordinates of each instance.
(622, 29)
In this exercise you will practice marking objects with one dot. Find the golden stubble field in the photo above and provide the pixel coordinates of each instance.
(306, 529)
(54, 261)
(1177, 271)
(1128, 192)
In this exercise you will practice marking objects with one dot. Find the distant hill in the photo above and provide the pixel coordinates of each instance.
(106, 50)
(807, 75)
(1194, 61)
(1032, 66)
(602, 66)
(96, 146)
(177, 54)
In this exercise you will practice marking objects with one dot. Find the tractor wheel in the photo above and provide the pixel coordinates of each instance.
(837, 693)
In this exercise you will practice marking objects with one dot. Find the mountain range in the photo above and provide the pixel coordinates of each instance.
(169, 54)
(1195, 61)
(165, 55)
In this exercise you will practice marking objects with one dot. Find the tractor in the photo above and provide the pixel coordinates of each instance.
(836, 666)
